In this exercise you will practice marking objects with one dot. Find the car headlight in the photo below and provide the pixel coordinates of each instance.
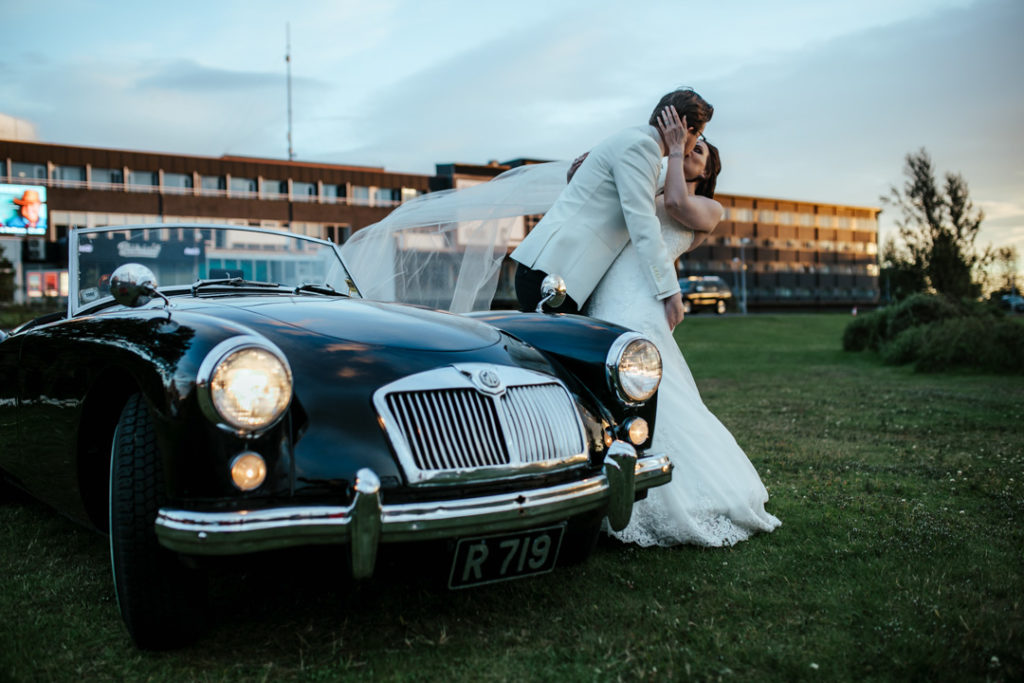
(634, 367)
(245, 384)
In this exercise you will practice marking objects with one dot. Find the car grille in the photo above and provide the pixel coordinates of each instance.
(456, 433)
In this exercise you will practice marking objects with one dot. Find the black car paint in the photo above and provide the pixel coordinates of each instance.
(339, 350)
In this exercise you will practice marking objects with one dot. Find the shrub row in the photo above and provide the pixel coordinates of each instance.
(935, 333)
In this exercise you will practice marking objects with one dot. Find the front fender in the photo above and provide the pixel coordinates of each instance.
(580, 346)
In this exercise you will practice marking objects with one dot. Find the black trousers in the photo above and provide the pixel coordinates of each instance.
(528, 283)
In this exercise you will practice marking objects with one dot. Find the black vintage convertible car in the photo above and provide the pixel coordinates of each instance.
(218, 391)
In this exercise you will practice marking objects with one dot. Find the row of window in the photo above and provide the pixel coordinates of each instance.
(869, 269)
(211, 185)
(815, 245)
(805, 293)
(745, 215)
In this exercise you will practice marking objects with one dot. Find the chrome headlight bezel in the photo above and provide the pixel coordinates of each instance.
(215, 360)
(622, 384)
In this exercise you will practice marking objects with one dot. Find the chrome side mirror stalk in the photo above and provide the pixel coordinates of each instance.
(552, 292)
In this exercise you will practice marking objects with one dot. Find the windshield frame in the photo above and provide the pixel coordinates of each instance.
(76, 233)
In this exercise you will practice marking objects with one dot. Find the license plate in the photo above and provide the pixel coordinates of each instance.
(501, 557)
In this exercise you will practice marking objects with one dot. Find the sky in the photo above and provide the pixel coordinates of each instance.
(814, 100)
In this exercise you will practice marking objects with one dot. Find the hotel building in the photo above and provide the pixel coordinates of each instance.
(788, 254)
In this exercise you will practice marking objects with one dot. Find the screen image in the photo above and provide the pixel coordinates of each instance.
(23, 209)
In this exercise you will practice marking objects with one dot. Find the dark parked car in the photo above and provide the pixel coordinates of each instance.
(703, 292)
(254, 401)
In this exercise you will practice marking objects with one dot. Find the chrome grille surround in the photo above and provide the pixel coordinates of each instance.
(472, 422)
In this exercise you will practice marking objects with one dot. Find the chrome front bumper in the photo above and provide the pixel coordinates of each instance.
(367, 521)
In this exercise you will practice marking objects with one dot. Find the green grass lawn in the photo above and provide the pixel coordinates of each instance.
(901, 556)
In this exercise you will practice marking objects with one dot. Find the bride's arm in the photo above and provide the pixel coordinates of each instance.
(700, 214)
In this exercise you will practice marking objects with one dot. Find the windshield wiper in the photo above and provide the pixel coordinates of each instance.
(230, 282)
(322, 288)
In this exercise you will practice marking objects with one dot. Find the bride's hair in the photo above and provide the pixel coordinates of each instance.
(687, 103)
(712, 167)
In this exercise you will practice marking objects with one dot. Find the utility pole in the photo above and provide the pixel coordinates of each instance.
(288, 62)
(743, 274)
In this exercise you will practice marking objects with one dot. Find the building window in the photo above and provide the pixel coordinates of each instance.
(766, 216)
(843, 222)
(385, 196)
(742, 215)
(334, 193)
(303, 191)
(142, 180)
(243, 186)
(409, 193)
(177, 182)
(28, 171)
(107, 176)
(361, 195)
(212, 184)
(273, 189)
(826, 221)
(807, 219)
(338, 234)
(784, 218)
(69, 174)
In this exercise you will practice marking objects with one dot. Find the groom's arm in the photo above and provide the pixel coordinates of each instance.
(636, 175)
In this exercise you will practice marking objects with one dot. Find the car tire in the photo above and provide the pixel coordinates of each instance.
(720, 306)
(161, 601)
(581, 536)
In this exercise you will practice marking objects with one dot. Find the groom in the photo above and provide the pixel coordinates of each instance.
(609, 202)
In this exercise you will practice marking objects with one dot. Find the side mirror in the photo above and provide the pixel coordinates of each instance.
(133, 285)
(552, 292)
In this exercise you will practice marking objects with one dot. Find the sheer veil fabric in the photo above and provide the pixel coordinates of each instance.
(716, 497)
(414, 255)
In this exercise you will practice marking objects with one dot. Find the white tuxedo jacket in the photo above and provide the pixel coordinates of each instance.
(609, 202)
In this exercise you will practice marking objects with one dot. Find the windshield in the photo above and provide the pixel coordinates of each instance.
(181, 255)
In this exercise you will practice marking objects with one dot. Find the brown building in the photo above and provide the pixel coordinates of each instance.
(795, 253)
(784, 254)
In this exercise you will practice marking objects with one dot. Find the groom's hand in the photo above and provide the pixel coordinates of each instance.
(674, 310)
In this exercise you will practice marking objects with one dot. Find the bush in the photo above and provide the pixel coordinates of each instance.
(987, 343)
(858, 331)
(935, 333)
(920, 309)
(14, 315)
(905, 348)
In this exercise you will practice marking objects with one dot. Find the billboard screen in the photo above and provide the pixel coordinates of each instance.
(23, 209)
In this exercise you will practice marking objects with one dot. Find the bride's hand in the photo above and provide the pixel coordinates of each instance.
(673, 130)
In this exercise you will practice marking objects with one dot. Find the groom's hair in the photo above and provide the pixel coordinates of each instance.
(687, 103)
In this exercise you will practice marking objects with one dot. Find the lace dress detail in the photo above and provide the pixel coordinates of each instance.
(716, 497)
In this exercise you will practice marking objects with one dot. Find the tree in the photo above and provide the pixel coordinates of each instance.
(937, 229)
(900, 276)
(1005, 261)
(7, 285)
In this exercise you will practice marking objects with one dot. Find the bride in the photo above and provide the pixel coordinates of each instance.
(715, 497)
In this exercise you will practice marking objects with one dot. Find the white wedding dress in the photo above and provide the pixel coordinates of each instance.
(715, 497)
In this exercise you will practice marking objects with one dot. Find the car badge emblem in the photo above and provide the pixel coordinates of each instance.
(489, 379)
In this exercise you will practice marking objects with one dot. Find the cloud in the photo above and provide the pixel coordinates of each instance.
(178, 106)
(813, 101)
(188, 76)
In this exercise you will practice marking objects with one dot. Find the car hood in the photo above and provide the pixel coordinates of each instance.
(354, 320)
